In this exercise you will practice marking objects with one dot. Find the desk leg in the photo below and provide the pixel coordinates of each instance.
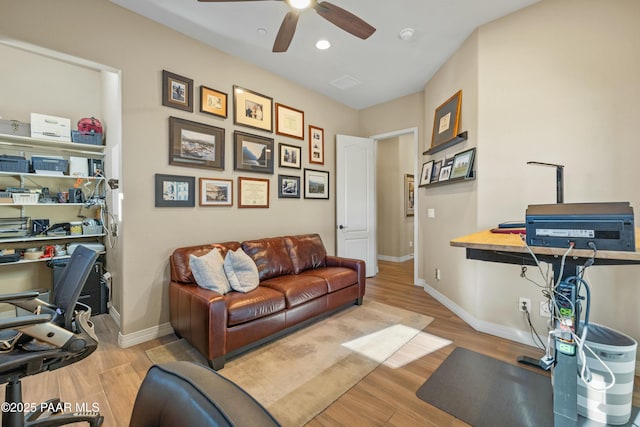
(565, 391)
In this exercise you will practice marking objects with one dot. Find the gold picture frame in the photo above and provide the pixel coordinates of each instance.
(213, 102)
(289, 121)
(446, 121)
(253, 192)
(252, 109)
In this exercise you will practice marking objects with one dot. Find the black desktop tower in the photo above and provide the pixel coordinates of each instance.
(94, 293)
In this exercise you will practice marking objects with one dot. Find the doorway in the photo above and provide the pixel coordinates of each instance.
(396, 170)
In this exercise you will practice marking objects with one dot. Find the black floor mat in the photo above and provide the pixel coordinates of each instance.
(483, 391)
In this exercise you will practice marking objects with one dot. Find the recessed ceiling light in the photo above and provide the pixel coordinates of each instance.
(300, 4)
(406, 34)
(323, 44)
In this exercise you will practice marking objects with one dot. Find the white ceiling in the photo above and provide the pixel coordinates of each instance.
(385, 66)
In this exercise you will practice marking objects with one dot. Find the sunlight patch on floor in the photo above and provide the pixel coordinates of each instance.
(396, 345)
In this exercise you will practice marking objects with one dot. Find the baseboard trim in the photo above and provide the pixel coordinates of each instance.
(115, 316)
(144, 335)
(501, 331)
(395, 258)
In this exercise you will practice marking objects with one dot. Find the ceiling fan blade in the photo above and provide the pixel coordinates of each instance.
(343, 19)
(229, 1)
(285, 34)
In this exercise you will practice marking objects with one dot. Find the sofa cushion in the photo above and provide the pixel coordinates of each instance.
(260, 302)
(297, 289)
(270, 255)
(208, 271)
(336, 278)
(180, 270)
(306, 252)
(241, 271)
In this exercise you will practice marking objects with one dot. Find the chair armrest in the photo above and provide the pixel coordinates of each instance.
(17, 322)
(18, 296)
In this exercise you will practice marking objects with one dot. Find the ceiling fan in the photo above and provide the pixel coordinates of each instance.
(332, 13)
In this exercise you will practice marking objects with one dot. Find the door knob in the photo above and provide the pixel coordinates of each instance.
(342, 227)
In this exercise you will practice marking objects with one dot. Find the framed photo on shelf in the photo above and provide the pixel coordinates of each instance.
(316, 145)
(446, 120)
(316, 184)
(253, 192)
(216, 192)
(409, 195)
(177, 91)
(288, 187)
(445, 173)
(252, 109)
(194, 144)
(435, 171)
(213, 102)
(175, 191)
(463, 164)
(289, 121)
(290, 156)
(425, 175)
(253, 153)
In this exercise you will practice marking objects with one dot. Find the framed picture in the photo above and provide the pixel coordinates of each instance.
(177, 91)
(195, 144)
(446, 120)
(253, 192)
(316, 184)
(290, 156)
(175, 191)
(316, 145)
(409, 195)
(463, 164)
(216, 192)
(213, 102)
(288, 187)
(289, 121)
(425, 175)
(252, 109)
(435, 171)
(445, 173)
(253, 153)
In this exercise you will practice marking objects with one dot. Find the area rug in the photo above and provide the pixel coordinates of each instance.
(296, 377)
(483, 391)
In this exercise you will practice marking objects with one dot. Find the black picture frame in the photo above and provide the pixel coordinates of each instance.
(177, 91)
(196, 145)
(253, 153)
(288, 187)
(175, 191)
(425, 175)
(289, 156)
(316, 184)
(252, 109)
(435, 171)
(463, 164)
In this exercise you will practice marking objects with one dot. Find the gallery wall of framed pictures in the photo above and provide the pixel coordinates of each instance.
(270, 126)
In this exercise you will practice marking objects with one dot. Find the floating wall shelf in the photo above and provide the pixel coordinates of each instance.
(458, 139)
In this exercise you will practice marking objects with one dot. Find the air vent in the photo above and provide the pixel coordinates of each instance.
(345, 82)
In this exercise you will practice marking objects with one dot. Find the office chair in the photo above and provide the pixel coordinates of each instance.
(54, 336)
(190, 395)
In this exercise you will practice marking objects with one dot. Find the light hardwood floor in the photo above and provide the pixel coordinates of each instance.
(111, 376)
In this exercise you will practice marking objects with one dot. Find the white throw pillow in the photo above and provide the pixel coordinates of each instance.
(208, 270)
(241, 271)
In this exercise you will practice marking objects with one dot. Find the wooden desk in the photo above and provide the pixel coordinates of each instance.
(511, 249)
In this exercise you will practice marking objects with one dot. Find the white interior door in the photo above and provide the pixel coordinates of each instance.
(356, 200)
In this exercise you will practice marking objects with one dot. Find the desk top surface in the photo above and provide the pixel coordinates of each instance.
(486, 240)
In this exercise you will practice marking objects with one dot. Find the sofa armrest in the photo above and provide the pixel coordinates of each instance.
(355, 264)
(200, 316)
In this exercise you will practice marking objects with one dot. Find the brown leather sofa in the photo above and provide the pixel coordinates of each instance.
(299, 283)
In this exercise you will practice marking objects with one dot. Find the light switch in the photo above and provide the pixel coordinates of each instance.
(431, 213)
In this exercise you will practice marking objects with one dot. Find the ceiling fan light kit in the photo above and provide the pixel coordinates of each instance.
(339, 17)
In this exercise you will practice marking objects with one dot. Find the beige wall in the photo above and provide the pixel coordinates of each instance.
(555, 82)
(141, 49)
(395, 159)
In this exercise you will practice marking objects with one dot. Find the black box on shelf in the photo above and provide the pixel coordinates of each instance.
(94, 293)
(13, 164)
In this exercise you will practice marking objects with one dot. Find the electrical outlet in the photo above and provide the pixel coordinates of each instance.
(524, 304)
(437, 274)
(545, 310)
